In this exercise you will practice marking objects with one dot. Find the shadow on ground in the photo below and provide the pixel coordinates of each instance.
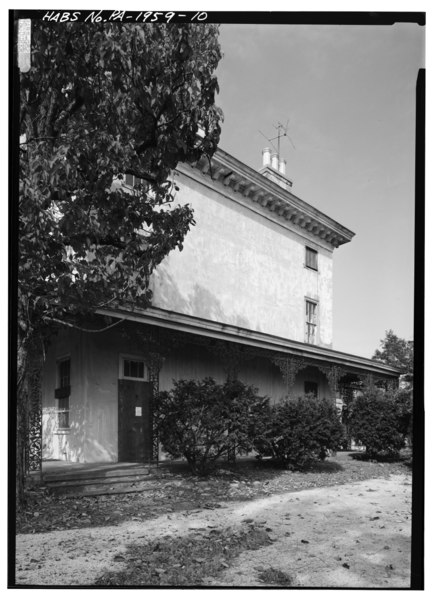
(175, 489)
(404, 458)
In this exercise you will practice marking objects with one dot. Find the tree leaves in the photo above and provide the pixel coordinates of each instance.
(102, 100)
(396, 352)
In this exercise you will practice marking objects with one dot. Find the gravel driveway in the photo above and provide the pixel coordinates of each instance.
(352, 535)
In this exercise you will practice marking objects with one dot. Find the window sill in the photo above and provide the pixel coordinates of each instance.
(311, 268)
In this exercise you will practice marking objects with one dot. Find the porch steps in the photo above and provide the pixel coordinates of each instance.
(108, 481)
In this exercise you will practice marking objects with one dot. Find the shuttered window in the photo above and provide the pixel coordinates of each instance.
(311, 258)
(63, 392)
(310, 321)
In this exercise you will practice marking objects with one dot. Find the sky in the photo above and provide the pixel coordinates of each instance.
(348, 94)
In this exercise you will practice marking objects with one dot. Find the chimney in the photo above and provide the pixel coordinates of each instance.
(282, 167)
(266, 154)
(274, 169)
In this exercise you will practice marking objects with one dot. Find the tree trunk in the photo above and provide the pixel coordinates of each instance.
(22, 403)
(29, 366)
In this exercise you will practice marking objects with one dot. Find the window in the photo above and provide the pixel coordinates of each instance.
(132, 180)
(311, 258)
(63, 412)
(129, 180)
(64, 370)
(133, 368)
(310, 321)
(310, 387)
(63, 391)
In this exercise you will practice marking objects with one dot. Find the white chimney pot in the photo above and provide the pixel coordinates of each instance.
(274, 160)
(282, 168)
(266, 153)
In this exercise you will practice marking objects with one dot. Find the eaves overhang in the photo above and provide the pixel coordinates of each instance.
(226, 332)
(224, 169)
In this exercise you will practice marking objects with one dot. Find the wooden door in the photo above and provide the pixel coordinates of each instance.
(135, 421)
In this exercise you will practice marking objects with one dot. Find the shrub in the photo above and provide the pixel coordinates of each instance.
(403, 399)
(379, 420)
(202, 420)
(299, 431)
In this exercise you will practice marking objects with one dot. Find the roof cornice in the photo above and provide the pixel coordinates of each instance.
(256, 188)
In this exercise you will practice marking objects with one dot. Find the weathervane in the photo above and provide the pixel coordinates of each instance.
(282, 132)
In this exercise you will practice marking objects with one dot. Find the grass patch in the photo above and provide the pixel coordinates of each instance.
(184, 561)
(274, 577)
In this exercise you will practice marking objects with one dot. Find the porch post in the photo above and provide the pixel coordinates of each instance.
(35, 425)
(333, 374)
(33, 454)
(368, 380)
(155, 361)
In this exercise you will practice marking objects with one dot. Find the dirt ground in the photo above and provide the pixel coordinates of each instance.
(349, 535)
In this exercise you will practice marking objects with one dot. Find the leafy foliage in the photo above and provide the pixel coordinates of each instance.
(184, 561)
(102, 101)
(380, 420)
(396, 352)
(403, 400)
(299, 431)
(202, 420)
(275, 577)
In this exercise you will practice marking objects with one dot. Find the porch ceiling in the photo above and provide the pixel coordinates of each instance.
(224, 332)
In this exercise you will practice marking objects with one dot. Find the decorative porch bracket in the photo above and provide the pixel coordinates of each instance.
(289, 368)
(333, 374)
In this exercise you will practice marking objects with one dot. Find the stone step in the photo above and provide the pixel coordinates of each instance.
(97, 473)
(113, 490)
(98, 487)
(90, 480)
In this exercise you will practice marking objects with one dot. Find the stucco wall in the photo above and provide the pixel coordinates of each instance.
(93, 433)
(239, 267)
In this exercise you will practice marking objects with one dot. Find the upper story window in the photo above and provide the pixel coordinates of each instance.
(64, 373)
(133, 368)
(311, 258)
(311, 309)
(132, 180)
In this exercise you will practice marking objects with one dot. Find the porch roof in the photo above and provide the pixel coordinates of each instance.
(226, 332)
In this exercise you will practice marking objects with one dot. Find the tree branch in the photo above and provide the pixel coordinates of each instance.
(75, 326)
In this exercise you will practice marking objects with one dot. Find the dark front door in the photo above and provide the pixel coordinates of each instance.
(135, 421)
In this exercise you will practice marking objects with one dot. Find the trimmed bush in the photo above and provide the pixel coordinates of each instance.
(202, 420)
(299, 431)
(403, 399)
(380, 421)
